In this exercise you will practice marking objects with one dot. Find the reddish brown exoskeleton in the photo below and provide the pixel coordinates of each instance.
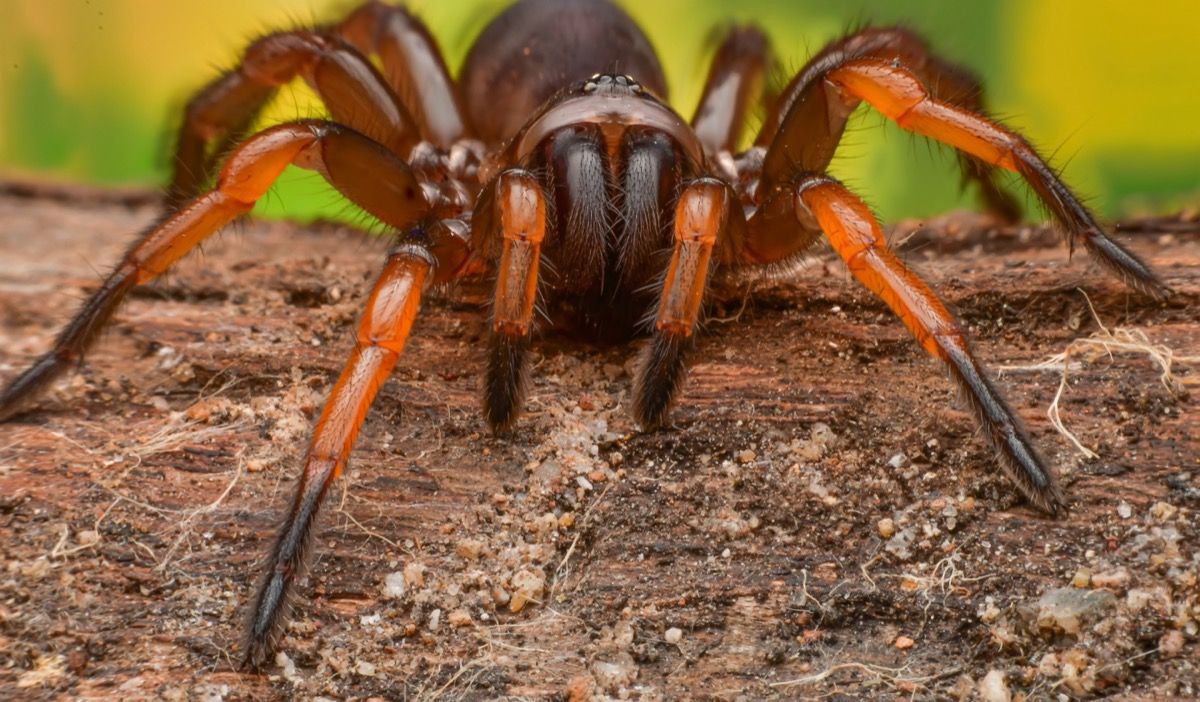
(553, 164)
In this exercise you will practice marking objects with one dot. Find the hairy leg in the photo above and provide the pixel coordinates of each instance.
(803, 128)
(735, 83)
(701, 221)
(382, 332)
(900, 95)
(413, 65)
(367, 173)
(821, 202)
(521, 215)
(220, 113)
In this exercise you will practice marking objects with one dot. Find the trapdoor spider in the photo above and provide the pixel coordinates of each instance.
(554, 164)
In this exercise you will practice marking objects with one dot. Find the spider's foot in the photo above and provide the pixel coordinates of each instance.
(18, 395)
(660, 374)
(259, 654)
(1126, 265)
(269, 615)
(504, 386)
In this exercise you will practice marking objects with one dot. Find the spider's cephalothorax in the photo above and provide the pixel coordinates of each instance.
(554, 165)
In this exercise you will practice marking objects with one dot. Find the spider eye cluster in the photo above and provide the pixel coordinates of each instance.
(609, 83)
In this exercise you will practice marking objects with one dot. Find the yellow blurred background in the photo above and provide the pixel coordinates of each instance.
(90, 90)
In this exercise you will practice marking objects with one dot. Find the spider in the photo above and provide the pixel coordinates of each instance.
(554, 165)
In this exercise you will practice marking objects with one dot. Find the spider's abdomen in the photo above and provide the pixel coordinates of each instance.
(537, 48)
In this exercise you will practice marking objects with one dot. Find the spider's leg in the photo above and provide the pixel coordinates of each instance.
(521, 221)
(382, 332)
(351, 88)
(364, 171)
(809, 136)
(701, 222)
(821, 202)
(735, 82)
(959, 86)
(899, 94)
(413, 65)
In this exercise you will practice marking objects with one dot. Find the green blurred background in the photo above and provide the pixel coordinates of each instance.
(90, 89)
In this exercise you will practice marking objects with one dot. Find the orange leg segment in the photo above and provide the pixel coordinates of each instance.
(857, 239)
(701, 219)
(899, 94)
(377, 181)
(522, 229)
(521, 216)
(382, 332)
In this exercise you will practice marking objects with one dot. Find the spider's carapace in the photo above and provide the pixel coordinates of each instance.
(554, 165)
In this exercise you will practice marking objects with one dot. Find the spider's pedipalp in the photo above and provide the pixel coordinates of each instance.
(520, 216)
(701, 222)
(859, 242)
(648, 180)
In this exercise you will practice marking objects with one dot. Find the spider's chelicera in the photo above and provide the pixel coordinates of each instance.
(554, 165)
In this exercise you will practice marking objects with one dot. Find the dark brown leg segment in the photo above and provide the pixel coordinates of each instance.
(413, 65)
(735, 83)
(354, 92)
(367, 173)
(701, 216)
(382, 332)
(858, 240)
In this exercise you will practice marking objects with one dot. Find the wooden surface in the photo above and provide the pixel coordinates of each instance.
(137, 500)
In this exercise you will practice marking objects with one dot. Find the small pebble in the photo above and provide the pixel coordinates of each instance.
(1124, 511)
(365, 669)
(370, 620)
(459, 618)
(393, 585)
(470, 549)
(1163, 511)
(529, 585)
(1082, 578)
(289, 668)
(993, 687)
(886, 527)
(904, 643)
(673, 635)
(581, 688)
(1111, 579)
(1171, 644)
(414, 575)
(746, 456)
